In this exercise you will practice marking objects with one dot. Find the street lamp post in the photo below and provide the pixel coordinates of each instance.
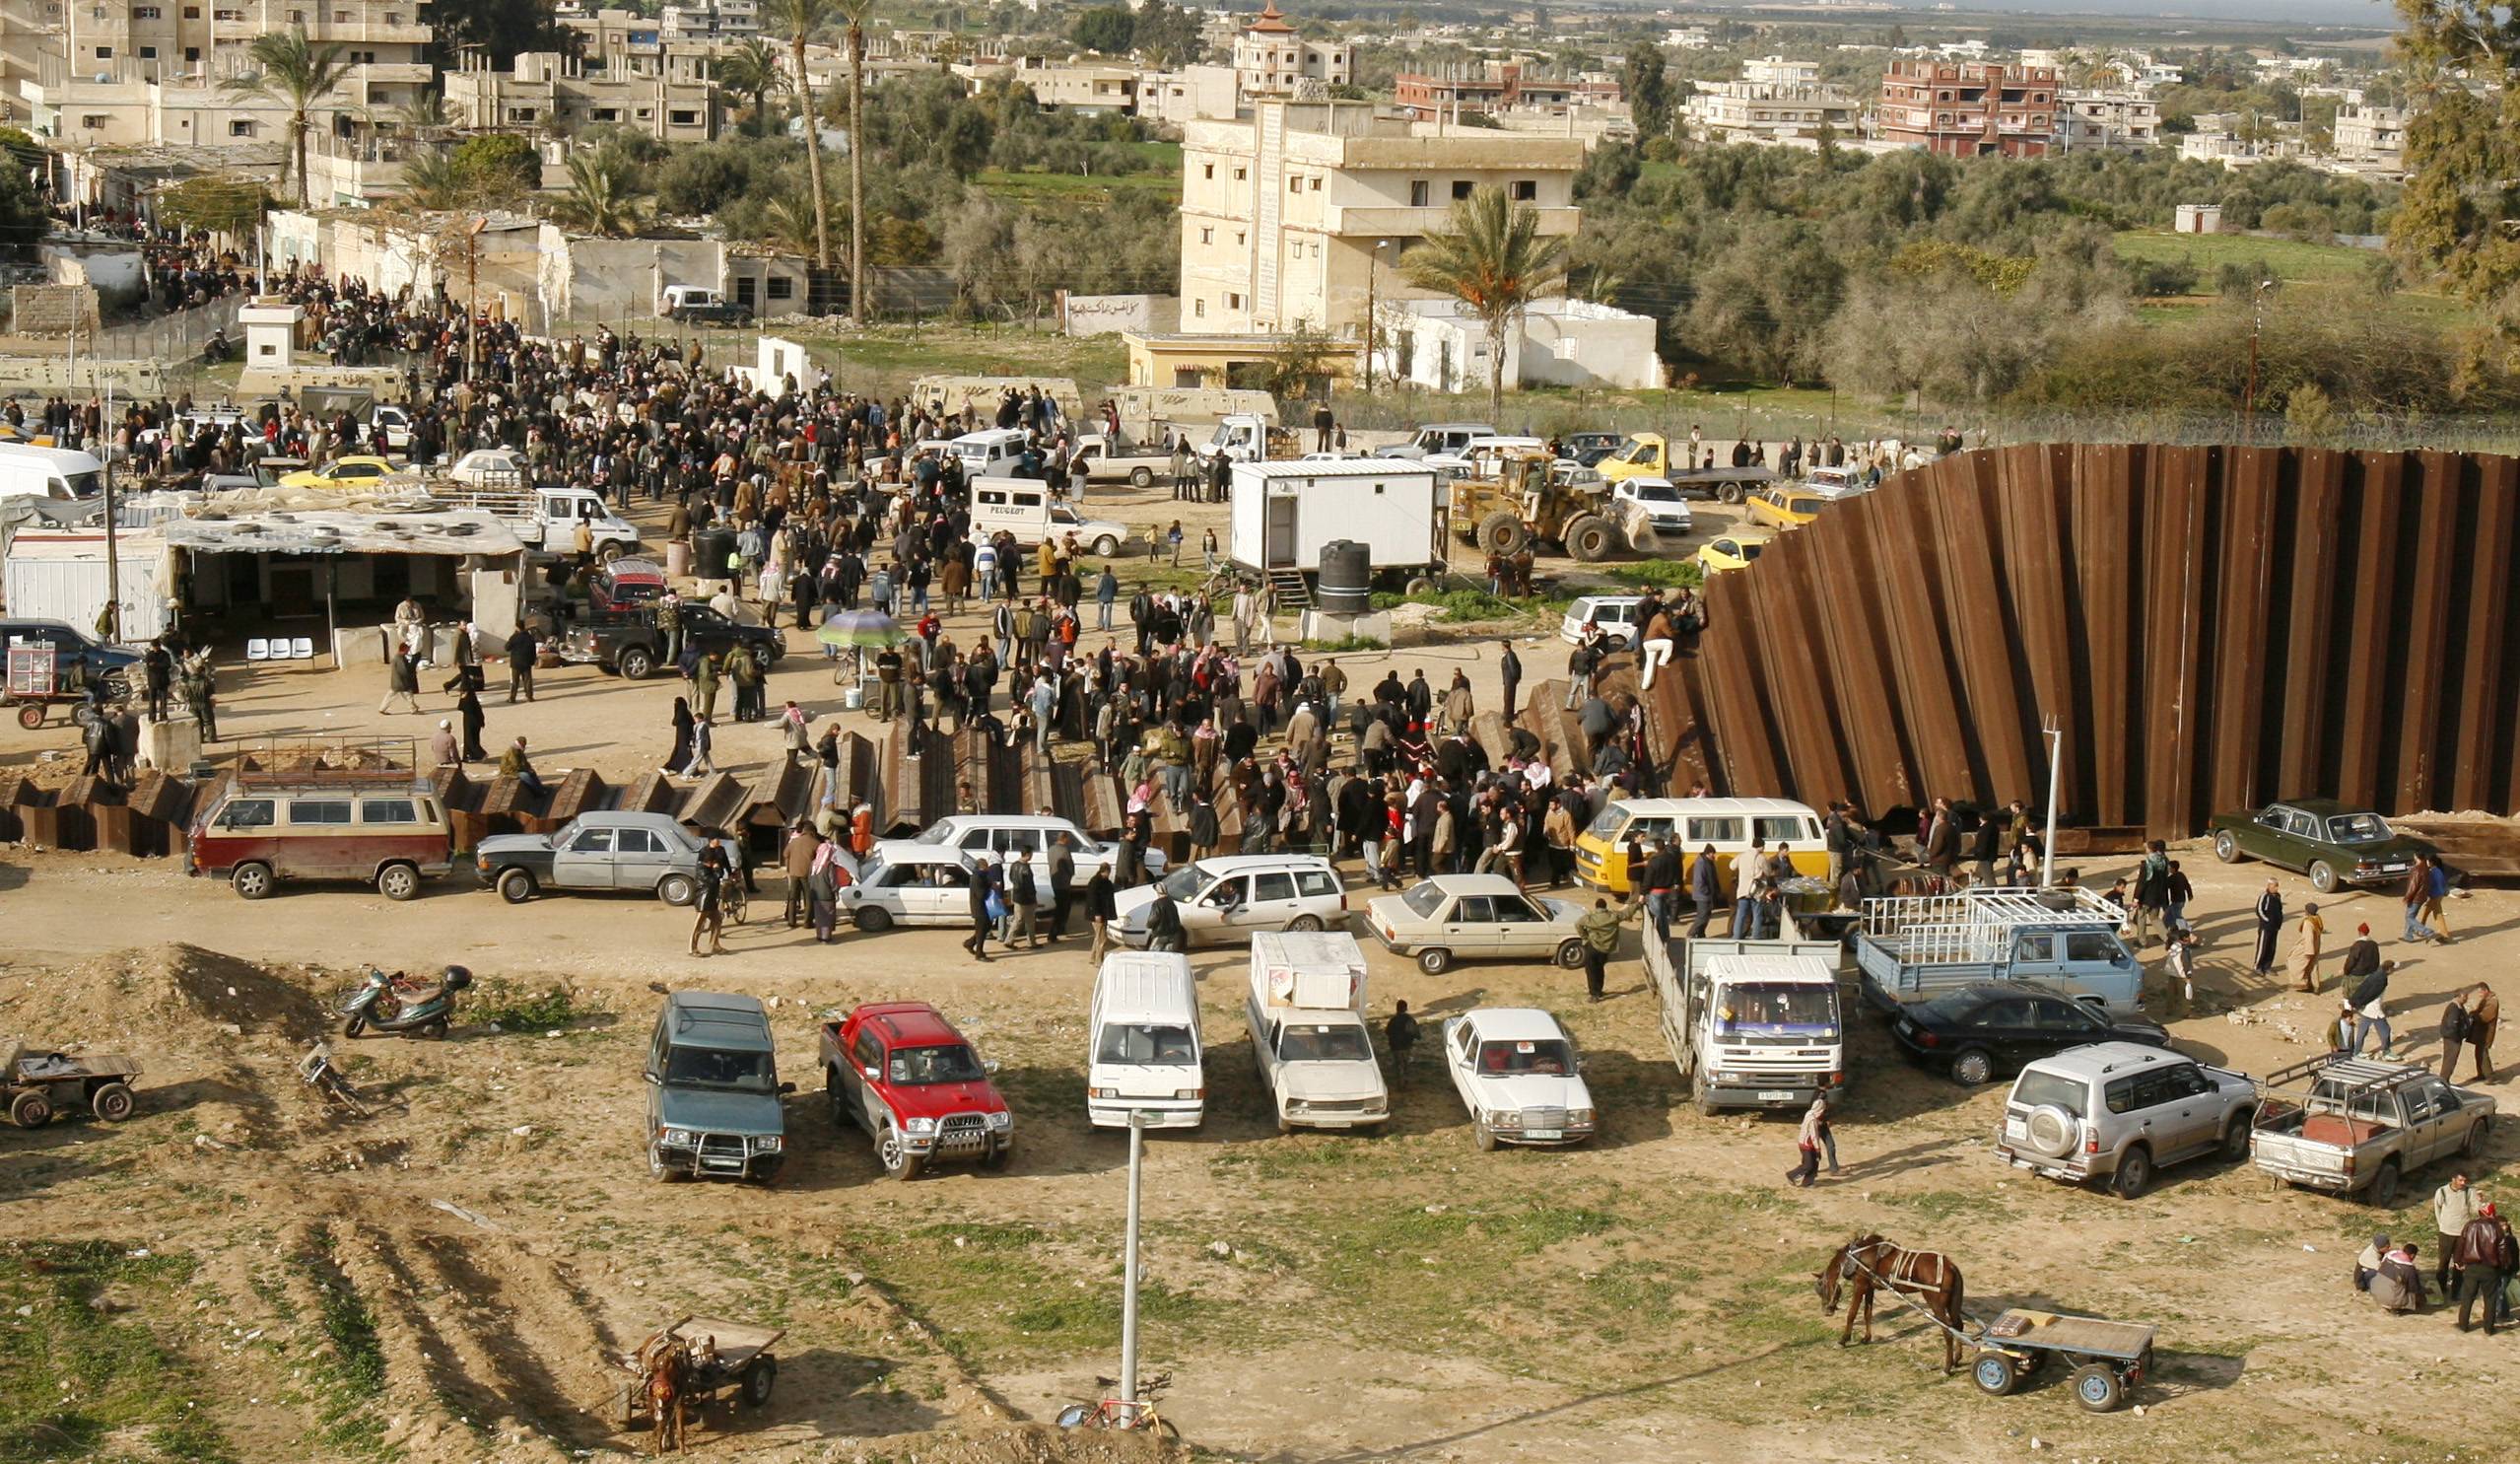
(2249, 393)
(1128, 1264)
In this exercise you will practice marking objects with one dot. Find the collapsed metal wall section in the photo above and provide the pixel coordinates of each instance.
(2213, 626)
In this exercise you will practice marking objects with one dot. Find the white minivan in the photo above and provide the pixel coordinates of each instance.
(1145, 1054)
(1028, 510)
(29, 471)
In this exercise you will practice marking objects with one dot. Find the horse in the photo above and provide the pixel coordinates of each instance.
(1868, 1263)
(668, 1371)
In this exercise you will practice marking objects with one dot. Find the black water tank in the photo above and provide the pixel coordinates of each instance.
(1347, 578)
(709, 548)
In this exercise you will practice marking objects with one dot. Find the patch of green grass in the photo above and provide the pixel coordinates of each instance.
(1073, 188)
(513, 1007)
(2291, 259)
(1348, 643)
(1667, 574)
(72, 1376)
(351, 1375)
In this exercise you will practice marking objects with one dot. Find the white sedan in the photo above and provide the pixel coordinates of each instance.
(1517, 1073)
(1004, 834)
(916, 887)
(491, 468)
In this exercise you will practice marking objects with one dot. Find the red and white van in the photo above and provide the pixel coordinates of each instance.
(261, 830)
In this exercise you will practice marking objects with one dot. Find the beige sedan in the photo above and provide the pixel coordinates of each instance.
(1476, 916)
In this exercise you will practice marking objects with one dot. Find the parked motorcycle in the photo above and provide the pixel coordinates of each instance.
(400, 1006)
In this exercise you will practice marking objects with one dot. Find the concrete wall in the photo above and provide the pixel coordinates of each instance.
(111, 271)
(598, 279)
(1109, 314)
(52, 309)
(1588, 346)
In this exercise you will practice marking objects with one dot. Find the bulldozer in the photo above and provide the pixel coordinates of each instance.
(1524, 502)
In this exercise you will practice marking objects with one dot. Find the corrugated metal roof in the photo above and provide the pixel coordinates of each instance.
(461, 531)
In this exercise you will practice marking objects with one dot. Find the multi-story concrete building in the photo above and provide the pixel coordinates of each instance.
(2107, 122)
(1271, 60)
(1968, 108)
(553, 92)
(1769, 112)
(83, 58)
(1294, 214)
(1178, 97)
(2371, 139)
(1093, 88)
(1492, 89)
(710, 20)
(1778, 71)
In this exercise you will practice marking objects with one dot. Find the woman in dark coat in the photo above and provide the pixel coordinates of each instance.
(2270, 927)
(680, 757)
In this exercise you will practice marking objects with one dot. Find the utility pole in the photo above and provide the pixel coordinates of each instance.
(1128, 1266)
(1372, 269)
(472, 282)
(113, 558)
(2249, 393)
(2054, 731)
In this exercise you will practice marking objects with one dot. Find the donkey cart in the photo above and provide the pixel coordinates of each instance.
(2108, 1359)
(35, 1084)
(725, 1359)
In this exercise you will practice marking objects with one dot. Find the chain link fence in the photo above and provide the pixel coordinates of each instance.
(172, 339)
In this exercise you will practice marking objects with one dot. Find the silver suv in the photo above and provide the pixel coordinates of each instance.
(2113, 1113)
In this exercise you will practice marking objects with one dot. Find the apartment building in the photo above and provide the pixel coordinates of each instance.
(1271, 60)
(1757, 112)
(2371, 139)
(1494, 89)
(557, 93)
(1779, 71)
(1093, 88)
(1293, 214)
(62, 63)
(2107, 122)
(624, 42)
(1968, 108)
(710, 20)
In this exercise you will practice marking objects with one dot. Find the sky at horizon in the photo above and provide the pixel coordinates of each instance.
(2367, 14)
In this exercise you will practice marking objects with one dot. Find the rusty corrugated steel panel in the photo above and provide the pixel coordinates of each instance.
(652, 793)
(1746, 761)
(2435, 490)
(1801, 705)
(2312, 517)
(2478, 778)
(2107, 555)
(2376, 510)
(2030, 526)
(2174, 602)
(580, 791)
(1924, 672)
(2243, 605)
(1855, 648)
(1976, 611)
(718, 803)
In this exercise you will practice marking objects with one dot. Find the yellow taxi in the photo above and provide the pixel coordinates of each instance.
(345, 472)
(1730, 552)
(1729, 824)
(1786, 506)
(9, 433)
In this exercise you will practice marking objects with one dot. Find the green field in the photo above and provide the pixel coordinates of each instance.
(1033, 185)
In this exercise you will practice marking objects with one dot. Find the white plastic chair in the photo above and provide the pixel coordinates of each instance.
(257, 649)
(302, 649)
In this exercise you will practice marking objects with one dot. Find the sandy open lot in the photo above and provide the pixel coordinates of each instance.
(239, 1273)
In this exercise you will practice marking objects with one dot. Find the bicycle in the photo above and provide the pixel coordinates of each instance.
(1141, 1415)
(731, 899)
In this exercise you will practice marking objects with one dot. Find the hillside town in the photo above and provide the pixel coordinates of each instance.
(1095, 734)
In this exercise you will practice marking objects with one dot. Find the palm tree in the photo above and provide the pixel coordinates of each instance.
(297, 75)
(790, 224)
(752, 69)
(857, 12)
(603, 197)
(430, 180)
(801, 18)
(1492, 259)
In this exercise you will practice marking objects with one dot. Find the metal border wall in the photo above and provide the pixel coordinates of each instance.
(2213, 626)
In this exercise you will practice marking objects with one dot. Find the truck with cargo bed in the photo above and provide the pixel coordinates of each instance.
(1909, 949)
(2350, 1125)
(1309, 1037)
(1751, 1023)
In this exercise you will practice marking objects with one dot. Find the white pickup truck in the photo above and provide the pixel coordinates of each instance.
(547, 519)
(1097, 460)
(2346, 1125)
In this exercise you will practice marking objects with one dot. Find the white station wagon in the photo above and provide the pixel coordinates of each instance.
(1225, 899)
(916, 887)
(1517, 1073)
(1000, 835)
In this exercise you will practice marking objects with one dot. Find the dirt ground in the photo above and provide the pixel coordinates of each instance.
(240, 1273)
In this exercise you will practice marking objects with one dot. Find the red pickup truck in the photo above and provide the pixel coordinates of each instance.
(901, 1072)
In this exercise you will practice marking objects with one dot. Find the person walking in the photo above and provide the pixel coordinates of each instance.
(983, 922)
(2418, 890)
(2484, 1259)
(1600, 930)
(797, 860)
(822, 891)
(1101, 909)
(703, 740)
(1808, 1141)
(1401, 1032)
(1023, 896)
(2270, 927)
(1061, 870)
(2305, 946)
(709, 906)
(1511, 666)
(522, 651)
(402, 679)
(2361, 958)
(2436, 888)
(2454, 1207)
(2371, 1010)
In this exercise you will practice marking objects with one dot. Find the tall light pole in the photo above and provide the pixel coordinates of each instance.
(1129, 1264)
(2054, 731)
(1372, 269)
(2249, 393)
(472, 282)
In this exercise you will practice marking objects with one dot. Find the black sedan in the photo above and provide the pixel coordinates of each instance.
(1984, 1031)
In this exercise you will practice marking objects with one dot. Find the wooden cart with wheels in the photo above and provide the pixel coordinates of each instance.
(2107, 1358)
(33, 682)
(730, 1362)
(36, 1085)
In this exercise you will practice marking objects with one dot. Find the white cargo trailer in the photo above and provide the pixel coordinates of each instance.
(1285, 511)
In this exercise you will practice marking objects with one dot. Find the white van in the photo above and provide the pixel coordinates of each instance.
(985, 453)
(1027, 509)
(1145, 1054)
(29, 471)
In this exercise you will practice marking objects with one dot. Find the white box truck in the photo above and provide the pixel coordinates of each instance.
(1145, 1054)
(1309, 1038)
(1751, 1023)
(1284, 512)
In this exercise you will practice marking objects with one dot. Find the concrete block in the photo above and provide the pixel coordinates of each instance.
(361, 645)
(170, 745)
(1328, 625)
